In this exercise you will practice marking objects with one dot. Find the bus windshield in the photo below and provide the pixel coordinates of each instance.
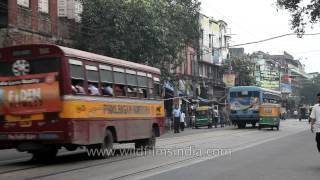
(34, 66)
(244, 100)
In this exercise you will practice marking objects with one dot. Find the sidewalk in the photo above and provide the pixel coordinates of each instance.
(190, 131)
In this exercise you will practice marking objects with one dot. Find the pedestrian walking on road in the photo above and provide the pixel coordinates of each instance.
(176, 113)
(221, 117)
(215, 117)
(295, 113)
(226, 115)
(182, 120)
(315, 121)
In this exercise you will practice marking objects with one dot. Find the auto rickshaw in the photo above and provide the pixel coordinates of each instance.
(269, 115)
(203, 117)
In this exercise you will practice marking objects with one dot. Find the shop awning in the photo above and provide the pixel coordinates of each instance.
(167, 85)
(203, 100)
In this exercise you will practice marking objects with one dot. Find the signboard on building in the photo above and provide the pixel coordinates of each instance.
(229, 79)
(286, 88)
(270, 84)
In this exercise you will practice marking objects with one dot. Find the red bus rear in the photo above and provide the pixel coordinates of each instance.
(42, 111)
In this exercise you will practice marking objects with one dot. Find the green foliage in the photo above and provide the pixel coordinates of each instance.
(244, 69)
(309, 90)
(301, 13)
(151, 32)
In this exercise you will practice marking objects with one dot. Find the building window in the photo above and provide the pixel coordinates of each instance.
(78, 10)
(24, 3)
(43, 6)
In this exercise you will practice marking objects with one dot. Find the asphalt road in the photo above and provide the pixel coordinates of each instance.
(14, 155)
(238, 154)
(293, 157)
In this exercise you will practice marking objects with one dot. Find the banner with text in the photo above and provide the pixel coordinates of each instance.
(29, 94)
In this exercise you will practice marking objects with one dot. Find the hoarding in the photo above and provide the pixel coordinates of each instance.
(229, 79)
(29, 94)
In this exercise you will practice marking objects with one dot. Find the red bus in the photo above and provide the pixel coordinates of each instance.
(53, 97)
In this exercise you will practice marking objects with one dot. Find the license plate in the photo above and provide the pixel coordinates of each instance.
(31, 117)
(22, 136)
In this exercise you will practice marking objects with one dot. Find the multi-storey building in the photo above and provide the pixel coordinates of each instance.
(292, 73)
(69, 15)
(25, 21)
(38, 21)
(313, 75)
(213, 50)
(267, 71)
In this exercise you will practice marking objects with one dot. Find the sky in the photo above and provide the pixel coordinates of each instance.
(253, 20)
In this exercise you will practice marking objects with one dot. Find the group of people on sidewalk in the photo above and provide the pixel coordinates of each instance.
(219, 117)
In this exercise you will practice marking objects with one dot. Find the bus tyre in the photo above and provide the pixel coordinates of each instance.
(210, 126)
(44, 155)
(259, 127)
(107, 144)
(103, 150)
(278, 127)
(146, 144)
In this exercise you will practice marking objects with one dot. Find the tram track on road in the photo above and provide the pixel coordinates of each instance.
(122, 158)
(125, 158)
(197, 159)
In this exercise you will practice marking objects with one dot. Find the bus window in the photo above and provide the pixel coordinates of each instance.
(107, 89)
(132, 83)
(93, 80)
(119, 81)
(34, 66)
(76, 69)
(150, 86)
(119, 90)
(77, 76)
(106, 77)
(143, 84)
(245, 94)
(77, 86)
(143, 93)
(106, 74)
(157, 88)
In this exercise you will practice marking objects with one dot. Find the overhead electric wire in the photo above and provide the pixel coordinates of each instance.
(275, 37)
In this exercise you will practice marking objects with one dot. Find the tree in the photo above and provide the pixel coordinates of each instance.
(244, 69)
(301, 13)
(309, 90)
(151, 32)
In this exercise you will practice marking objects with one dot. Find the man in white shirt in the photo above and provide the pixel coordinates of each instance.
(182, 118)
(93, 90)
(295, 113)
(315, 121)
